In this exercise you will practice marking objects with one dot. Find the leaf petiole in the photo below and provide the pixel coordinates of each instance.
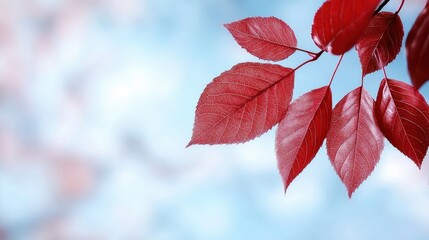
(313, 58)
(336, 68)
(400, 7)
(312, 54)
(384, 72)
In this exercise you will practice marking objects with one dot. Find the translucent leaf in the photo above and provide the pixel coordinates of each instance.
(417, 46)
(401, 113)
(301, 133)
(268, 38)
(381, 42)
(242, 103)
(354, 141)
(338, 24)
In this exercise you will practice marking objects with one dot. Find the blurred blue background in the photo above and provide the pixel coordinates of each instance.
(97, 100)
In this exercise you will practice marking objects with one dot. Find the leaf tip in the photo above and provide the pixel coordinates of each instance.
(419, 165)
(350, 192)
(191, 142)
(285, 188)
(352, 189)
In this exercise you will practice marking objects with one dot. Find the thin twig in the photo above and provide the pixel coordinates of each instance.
(381, 6)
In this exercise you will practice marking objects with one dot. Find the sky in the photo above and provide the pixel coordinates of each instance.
(97, 106)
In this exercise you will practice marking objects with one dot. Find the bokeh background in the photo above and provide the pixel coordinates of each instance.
(97, 101)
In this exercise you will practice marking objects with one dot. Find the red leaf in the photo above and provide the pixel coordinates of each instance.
(354, 141)
(380, 42)
(338, 24)
(417, 46)
(267, 38)
(401, 113)
(242, 103)
(301, 133)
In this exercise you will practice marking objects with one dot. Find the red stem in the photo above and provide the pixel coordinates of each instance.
(400, 7)
(335, 70)
(384, 72)
(314, 58)
(312, 54)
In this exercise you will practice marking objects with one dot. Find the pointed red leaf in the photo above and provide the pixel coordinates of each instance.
(338, 24)
(417, 46)
(301, 133)
(242, 103)
(401, 113)
(380, 42)
(354, 141)
(267, 38)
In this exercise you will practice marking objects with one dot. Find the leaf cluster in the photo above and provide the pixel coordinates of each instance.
(250, 98)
